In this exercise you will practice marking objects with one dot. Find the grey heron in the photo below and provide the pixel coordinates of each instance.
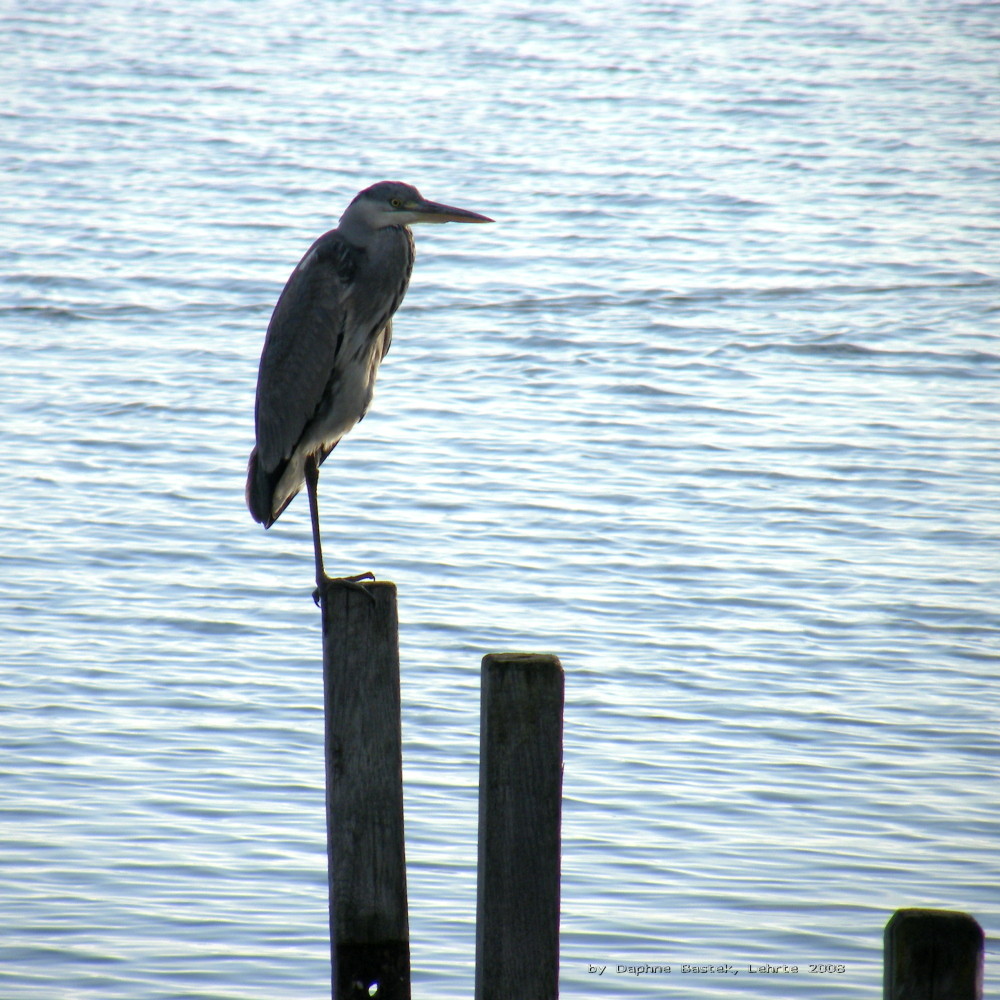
(330, 330)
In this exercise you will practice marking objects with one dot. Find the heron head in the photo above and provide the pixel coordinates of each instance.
(392, 203)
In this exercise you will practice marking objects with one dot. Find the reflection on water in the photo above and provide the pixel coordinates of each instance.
(711, 413)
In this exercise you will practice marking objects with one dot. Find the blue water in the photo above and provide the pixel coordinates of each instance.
(711, 412)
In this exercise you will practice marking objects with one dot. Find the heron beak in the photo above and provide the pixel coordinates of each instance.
(431, 211)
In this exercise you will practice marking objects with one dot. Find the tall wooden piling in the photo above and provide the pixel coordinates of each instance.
(520, 808)
(933, 955)
(369, 929)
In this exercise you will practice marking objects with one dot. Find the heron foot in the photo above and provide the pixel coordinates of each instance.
(351, 582)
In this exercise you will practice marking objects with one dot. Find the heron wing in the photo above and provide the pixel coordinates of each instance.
(304, 343)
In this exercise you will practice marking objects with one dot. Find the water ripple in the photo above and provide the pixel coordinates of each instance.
(711, 412)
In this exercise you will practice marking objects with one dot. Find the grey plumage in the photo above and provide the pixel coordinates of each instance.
(330, 330)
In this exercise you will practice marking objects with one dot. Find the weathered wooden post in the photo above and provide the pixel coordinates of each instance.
(520, 809)
(369, 929)
(933, 955)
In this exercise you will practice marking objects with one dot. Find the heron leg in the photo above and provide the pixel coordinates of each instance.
(312, 486)
(322, 580)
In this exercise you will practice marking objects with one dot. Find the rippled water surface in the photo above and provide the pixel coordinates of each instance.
(711, 412)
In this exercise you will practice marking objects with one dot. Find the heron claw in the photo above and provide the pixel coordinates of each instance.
(351, 582)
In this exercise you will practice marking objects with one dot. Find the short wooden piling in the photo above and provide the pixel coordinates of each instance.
(933, 955)
(520, 808)
(369, 929)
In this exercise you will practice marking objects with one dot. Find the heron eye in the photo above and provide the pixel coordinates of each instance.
(396, 202)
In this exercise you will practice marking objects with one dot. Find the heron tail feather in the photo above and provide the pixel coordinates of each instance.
(260, 491)
(263, 485)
